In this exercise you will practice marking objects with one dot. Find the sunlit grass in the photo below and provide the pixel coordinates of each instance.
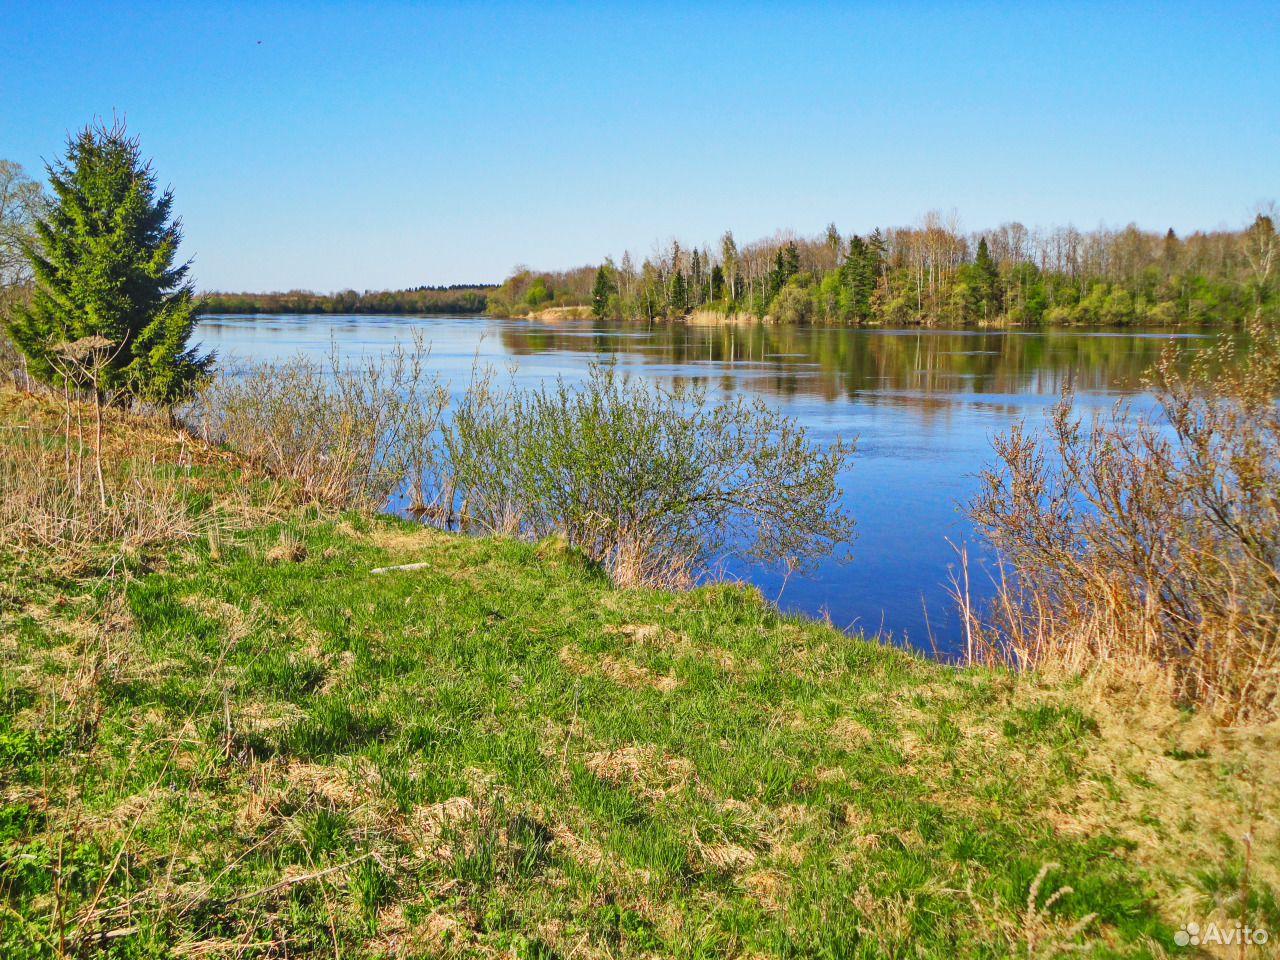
(254, 746)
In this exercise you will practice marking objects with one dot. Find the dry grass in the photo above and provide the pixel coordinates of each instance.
(646, 767)
(156, 489)
(620, 670)
(1191, 787)
(1141, 541)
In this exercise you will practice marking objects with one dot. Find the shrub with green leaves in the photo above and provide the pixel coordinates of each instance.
(656, 483)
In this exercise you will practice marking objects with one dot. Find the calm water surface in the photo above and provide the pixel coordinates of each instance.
(923, 406)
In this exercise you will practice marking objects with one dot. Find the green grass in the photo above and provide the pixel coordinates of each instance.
(257, 751)
(504, 751)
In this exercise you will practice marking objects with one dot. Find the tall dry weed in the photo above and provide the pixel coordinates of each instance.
(75, 501)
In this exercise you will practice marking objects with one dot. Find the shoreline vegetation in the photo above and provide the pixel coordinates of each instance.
(930, 274)
(237, 717)
(656, 485)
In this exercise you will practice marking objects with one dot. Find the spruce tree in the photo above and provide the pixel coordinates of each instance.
(776, 277)
(603, 290)
(858, 277)
(679, 295)
(104, 260)
(786, 264)
(792, 261)
(987, 279)
(878, 247)
(717, 282)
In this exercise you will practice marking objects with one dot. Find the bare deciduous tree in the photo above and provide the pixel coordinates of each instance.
(22, 202)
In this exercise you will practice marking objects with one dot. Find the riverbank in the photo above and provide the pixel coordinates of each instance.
(552, 314)
(232, 735)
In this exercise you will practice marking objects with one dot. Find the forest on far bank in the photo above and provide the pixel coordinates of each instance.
(457, 298)
(931, 274)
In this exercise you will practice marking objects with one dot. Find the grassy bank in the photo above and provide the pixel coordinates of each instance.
(233, 738)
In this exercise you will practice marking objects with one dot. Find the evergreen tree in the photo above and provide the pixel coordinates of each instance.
(1169, 253)
(791, 261)
(777, 276)
(104, 264)
(986, 279)
(604, 289)
(717, 282)
(679, 295)
(877, 245)
(786, 264)
(858, 279)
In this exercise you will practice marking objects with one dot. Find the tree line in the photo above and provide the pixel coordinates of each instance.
(455, 298)
(931, 274)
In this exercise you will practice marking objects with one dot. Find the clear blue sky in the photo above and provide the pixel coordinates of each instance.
(387, 145)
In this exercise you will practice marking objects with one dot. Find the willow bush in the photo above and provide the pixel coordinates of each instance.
(1150, 541)
(350, 434)
(656, 483)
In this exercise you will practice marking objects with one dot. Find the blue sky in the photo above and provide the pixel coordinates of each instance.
(388, 145)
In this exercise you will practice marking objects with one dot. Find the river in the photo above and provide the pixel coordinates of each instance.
(923, 406)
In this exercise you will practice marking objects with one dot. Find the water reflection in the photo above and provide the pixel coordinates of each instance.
(904, 366)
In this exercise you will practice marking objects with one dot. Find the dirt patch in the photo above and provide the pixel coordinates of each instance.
(655, 773)
(625, 672)
(848, 734)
